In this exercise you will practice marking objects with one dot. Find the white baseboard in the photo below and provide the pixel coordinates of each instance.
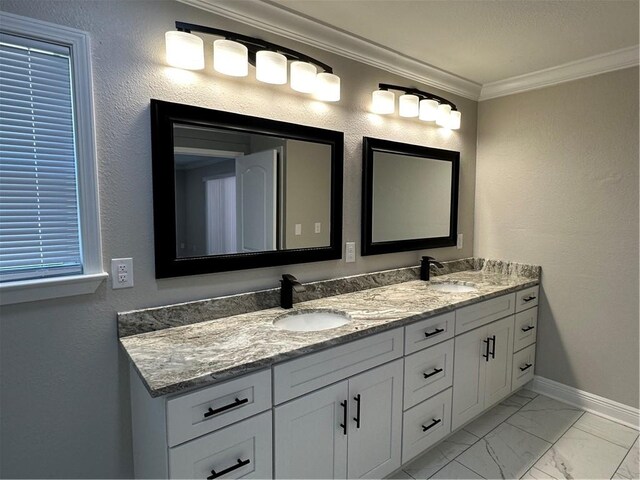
(604, 407)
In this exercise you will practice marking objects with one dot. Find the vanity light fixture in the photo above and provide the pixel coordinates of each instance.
(426, 106)
(233, 53)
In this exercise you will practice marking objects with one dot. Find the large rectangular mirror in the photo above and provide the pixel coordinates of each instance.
(409, 197)
(234, 192)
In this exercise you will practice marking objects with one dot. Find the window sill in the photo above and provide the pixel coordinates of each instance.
(42, 289)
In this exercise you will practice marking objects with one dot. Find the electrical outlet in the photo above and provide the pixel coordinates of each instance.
(350, 252)
(122, 272)
(459, 243)
(318, 227)
(298, 229)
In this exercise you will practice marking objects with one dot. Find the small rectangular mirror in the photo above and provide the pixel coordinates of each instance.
(234, 192)
(410, 197)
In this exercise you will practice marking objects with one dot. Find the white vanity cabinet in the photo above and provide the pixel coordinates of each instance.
(482, 369)
(356, 410)
(350, 429)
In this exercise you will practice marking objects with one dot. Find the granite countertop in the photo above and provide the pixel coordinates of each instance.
(174, 359)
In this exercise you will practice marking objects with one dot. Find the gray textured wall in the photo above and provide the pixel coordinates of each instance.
(65, 409)
(557, 185)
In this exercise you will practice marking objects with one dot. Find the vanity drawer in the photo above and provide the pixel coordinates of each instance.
(242, 450)
(527, 298)
(302, 375)
(425, 424)
(526, 328)
(190, 415)
(524, 363)
(473, 316)
(427, 373)
(428, 332)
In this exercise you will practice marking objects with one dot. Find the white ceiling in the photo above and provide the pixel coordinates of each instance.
(483, 41)
(479, 49)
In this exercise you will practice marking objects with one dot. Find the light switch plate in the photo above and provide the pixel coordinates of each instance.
(298, 229)
(350, 252)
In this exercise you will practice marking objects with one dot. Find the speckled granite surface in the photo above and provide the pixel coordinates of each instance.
(174, 359)
(158, 318)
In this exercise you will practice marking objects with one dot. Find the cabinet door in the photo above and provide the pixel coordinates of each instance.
(468, 376)
(498, 378)
(375, 429)
(309, 441)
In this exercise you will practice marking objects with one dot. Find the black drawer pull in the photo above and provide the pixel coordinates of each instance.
(435, 332)
(486, 355)
(434, 422)
(493, 352)
(211, 411)
(241, 463)
(529, 298)
(527, 328)
(357, 417)
(435, 371)
(526, 367)
(344, 417)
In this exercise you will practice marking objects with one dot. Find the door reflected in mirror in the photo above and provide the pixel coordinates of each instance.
(410, 197)
(239, 192)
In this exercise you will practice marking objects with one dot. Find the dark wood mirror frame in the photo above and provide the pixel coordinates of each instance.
(372, 145)
(167, 263)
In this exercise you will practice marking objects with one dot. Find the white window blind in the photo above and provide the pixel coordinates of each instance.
(39, 217)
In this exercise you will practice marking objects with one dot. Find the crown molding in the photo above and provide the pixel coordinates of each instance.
(586, 67)
(276, 20)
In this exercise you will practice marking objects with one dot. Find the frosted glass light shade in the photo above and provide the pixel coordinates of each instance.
(428, 110)
(271, 67)
(454, 120)
(303, 77)
(409, 105)
(443, 115)
(230, 58)
(383, 102)
(184, 50)
(327, 87)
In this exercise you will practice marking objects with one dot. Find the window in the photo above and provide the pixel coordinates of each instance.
(49, 224)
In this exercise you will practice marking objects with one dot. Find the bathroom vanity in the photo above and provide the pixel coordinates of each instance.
(235, 397)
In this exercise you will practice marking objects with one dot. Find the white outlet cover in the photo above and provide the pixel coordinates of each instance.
(459, 242)
(121, 272)
(318, 227)
(298, 229)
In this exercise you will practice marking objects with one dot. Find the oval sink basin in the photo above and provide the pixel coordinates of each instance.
(451, 287)
(311, 320)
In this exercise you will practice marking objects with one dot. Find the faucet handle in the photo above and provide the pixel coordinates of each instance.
(287, 277)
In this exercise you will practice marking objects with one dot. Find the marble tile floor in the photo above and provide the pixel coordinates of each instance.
(531, 436)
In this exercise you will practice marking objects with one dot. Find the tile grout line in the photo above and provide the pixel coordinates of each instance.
(445, 466)
(625, 457)
(606, 440)
(481, 438)
(553, 445)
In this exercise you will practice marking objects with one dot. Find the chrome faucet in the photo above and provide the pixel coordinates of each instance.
(425, 266)
(288, 285)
